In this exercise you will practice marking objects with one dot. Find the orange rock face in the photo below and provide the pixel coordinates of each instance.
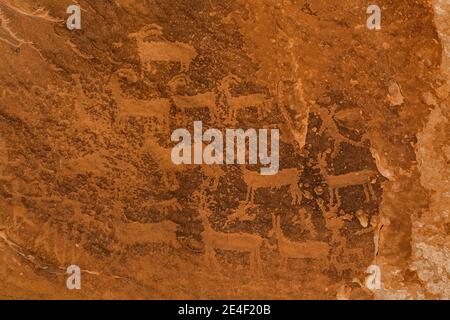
(359, 208)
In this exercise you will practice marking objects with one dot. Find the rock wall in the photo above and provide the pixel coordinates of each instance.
(86, 176)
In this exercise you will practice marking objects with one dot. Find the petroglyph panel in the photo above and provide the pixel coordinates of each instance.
(86, 170)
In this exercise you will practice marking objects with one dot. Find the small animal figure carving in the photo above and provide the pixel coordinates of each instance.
(213, 240)
(363, 178)
(286, 177)
(289, 249)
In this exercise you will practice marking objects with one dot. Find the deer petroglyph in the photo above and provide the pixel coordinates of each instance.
(363, 178)
(213, 240)
(289, 249)
(285, 177)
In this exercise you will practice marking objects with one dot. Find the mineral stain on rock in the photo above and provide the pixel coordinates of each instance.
(86, 176)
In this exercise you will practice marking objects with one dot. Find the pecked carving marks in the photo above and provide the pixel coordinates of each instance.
(137, 233)
(101, 192)
(162, 51)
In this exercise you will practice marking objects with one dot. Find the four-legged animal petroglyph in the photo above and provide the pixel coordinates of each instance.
(289, 249)
(160, 50)
(237, 103)
(285, 177)
(362, 178)
(163, 160)
(290, 99)
(340, 245)
(213, 240)
(329, 125)
(158, 108)
(201, 100)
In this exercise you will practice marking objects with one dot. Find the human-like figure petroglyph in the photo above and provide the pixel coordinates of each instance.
(138, 233)
(304, 218)
(161, 50)
(286, 177)
(289, 249)
(363, 178)
(213, 240)
(334, 223)
(238, 103)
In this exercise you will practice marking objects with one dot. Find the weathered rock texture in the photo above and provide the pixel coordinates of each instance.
(86, 176)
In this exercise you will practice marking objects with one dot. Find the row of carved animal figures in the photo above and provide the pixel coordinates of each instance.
(159, 108)
(165, 232)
